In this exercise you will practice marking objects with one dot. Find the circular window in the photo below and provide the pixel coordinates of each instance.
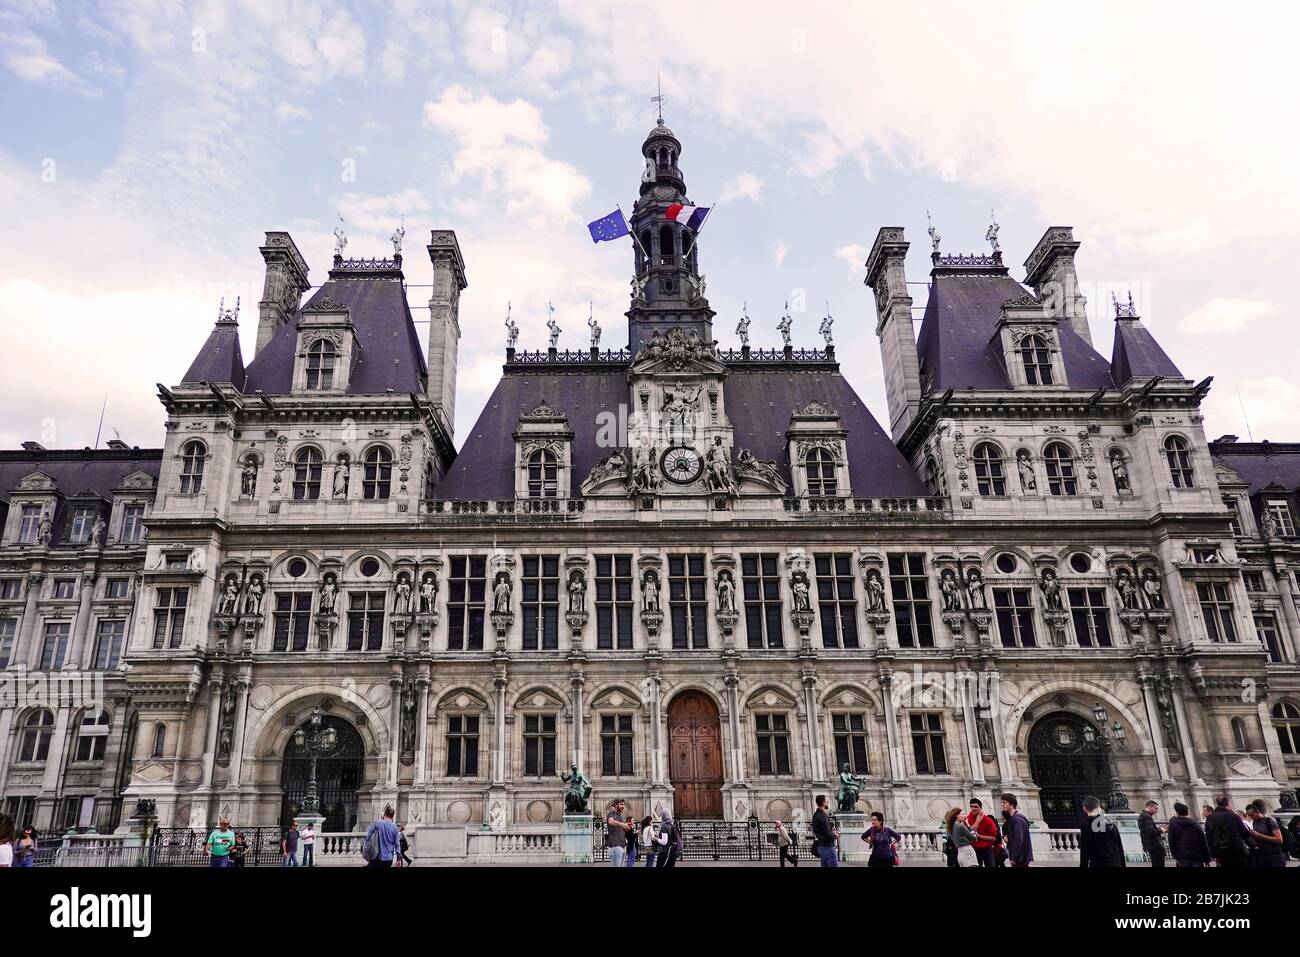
(297, 568)
(370, 568)
(1006, 563)
(1081, 563)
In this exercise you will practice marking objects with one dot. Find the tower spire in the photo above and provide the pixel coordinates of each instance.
(659, 98)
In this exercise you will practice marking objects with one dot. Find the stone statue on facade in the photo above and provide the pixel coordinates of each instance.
(512, 330)
(935, 238)
(1025, 466)
(1151, 588)
(398, 235)
(784, 325)
(1051, 587)
(645, 477)
(613, 465)
(650, 592)
(875, 591)
(992, 234)
(407, 741)
(679, 408)
(718, 467)
(97, 531)
(579, 790)
(825, 328)
(229, 597)
(1127, 588)
(45, 528)
(501, 592)
(248, 477)
(975, 590)
(1119, 470)
(851, 786)
(342, 471)
(402, 596)
(428, 593)
(748, 464)
(329, 594)
(553, 326)
(949, 590)
(253, 597)
(742, 327)
(726, 589)
(340, 238)
(799, 591)
(594, 326)
(577, 592)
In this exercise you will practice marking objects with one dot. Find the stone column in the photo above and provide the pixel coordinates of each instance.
(242, 684)
(74, 660)
(215, 687)
(1287, 594)
(394, 728)
(576, 681)
(23, 644)
(422, 729)
(891, 727)
(6, 728)
(656, 730)
(1276, 759)
(816, 763)
(499, 731)
(973, 753)
(58, 752)
(1157, 732)
(733, 725)
(1185, 733)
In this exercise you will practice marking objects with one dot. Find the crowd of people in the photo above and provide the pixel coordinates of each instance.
(385, 845)
(656, 843)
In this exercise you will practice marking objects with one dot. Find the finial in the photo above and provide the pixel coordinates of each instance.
(992, 234)
(1122, 311)
(660, 98)
(934, 234)
(340, 238)
(225, 315)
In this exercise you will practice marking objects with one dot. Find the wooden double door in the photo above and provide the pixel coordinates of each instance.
(695, 755)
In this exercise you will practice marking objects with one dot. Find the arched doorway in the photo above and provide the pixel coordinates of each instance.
(338, 776)
(695, 755)
(1066, 767)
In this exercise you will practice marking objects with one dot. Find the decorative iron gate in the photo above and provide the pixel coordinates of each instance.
(338, 776)
(182, 847)
(715, 841)
(1065, 769)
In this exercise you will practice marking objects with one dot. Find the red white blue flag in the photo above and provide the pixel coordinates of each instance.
(692, 217)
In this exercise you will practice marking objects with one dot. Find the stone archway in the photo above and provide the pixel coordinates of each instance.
(695, 755)
(1065, 768)
(339, 776)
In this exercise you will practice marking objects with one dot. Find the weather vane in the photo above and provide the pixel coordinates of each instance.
(659, 99)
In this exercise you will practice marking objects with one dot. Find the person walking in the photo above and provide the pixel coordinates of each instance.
(616, 834)
(238, 850)
(986, 833)
(785, 845)
(1266, 832)
(883, 841)
(651, 841)
(220, 843)
(309, 845)
(633, 839)
(1228, 838)
(671, 839)
(1020, 846)
(1100, 844)
(6, 841)
(403, 845)
(961, 838)
(1152, 834)
(25, 848)
(1187, 839)
(383, 841)
(824, 835)
(289, 845)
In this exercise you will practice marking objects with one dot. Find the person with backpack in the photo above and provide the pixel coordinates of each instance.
(1100, 844)
(1020, 845)
(672, 840)
(1226, 835)
(383, 840)
(1266, 832)
(1186, 839)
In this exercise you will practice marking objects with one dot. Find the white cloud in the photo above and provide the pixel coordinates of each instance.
(741, 186)
(855, 255)
(380, 214)
(29, 58)
(285, 111)
(779, 253)
(1222, 315)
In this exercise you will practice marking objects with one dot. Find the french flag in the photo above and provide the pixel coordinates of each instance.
(692, 217)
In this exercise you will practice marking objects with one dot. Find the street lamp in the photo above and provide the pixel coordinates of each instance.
(316, 738)
(1107, 742)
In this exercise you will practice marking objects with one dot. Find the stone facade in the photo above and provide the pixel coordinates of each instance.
(707, 578)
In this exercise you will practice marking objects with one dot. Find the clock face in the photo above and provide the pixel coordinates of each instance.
(682, 465)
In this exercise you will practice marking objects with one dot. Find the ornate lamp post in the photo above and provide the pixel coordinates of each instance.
(1107, 742)
(316, 738)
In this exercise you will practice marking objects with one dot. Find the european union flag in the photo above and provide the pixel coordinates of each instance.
(613, 226)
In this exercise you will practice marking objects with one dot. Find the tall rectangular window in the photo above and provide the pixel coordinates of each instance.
(910, 589)
(539, 745)
(466, 591)
(365, 621)
(850, 741)
(169, 617)
(1216, 609)
(65, 588)
(1091, 617)
(541, 604)
(10, 589)
(55, 645)
(837, 603)
(1254, 581)
(1234, 518)
(613, 601)
(132, 524)
(108, 644)
(1014, 608)
(31, 525)
(773, 740)
(292, 620)
(462, 746)
(616, 745)
(8, 631)
(83, 520)
(762, 600)
(1266, 628)
(927, 743)
(1280, 512)
(687, 588)
(117, 588)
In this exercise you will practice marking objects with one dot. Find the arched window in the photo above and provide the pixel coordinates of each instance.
(933, 480)
(320, 364)
(1059, 462)
(377, 472)
(159, 740)
(1037, 358)
(37, 731)
(989, 477)
(667, 246)
(819, 465)
(306, 475)
(1180, 461)
(1239, 741)
(92, 736)
(543, 474)
(1286, 719)
(193, 457)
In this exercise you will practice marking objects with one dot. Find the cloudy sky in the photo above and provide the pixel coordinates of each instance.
(147, 144)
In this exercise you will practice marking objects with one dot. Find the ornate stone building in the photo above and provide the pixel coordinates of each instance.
(709, 578)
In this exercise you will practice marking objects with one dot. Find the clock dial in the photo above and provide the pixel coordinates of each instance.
(681, 465)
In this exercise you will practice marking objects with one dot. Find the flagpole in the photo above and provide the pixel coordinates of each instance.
(632, 232)
(695, 233)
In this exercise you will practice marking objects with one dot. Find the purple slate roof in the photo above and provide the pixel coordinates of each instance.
(758, 401)
(1262, 464)
(220, 359)
(954, 343)
(1137, 355)
(388, 354)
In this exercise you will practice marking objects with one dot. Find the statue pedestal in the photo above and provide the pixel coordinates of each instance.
(853, 849)
(576, 839)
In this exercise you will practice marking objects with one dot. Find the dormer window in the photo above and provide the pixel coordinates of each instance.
(320, 365)
(990, 478)
(543, 474)
(820, 468)
(1061, 476)
(31, 525)
(377, 473)
(1036, 356)
(1179, 457)
(306, 475)
(193, 458)
(132, 524)
(1279, 512)
(83, 520)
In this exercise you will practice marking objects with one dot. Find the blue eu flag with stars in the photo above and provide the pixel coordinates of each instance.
(613, 226)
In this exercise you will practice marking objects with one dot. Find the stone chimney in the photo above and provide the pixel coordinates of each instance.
(1049, 270)
(886, 277)
(444, 322)
(286, 281)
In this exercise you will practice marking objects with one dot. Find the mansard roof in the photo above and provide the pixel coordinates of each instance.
(1261, 464)
(220, 359)
(955, 344)
(1137, 355)
(388, 353)
(758, 402)
(78, 470)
